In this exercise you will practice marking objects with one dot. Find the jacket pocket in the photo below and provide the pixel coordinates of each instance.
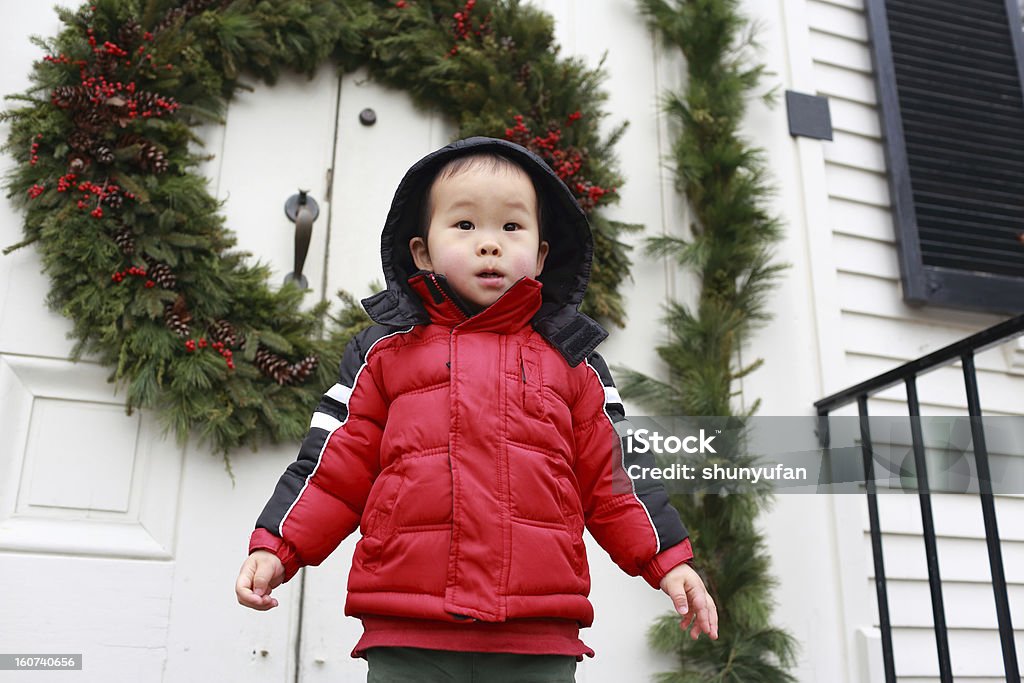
(572, 514)
(380, 504)
(532, 383)
(376, 521)
(572, 508)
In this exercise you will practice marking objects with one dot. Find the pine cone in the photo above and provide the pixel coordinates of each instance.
(301, 370)
(81, 141)
(106, 63)
(114, 200)
(176, 321)
(103, 154)
(78, 162)
(70, 97)
(182, 14)
(524, 74)
(169, 19)
(125, 240)
(272, 365)
(92, 120)
(224, 332)
(145, 101)
(162, 274)
(129, 34)
(151, 158)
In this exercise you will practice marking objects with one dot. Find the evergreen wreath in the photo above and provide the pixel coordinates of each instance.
(140, 260)
(726, 184)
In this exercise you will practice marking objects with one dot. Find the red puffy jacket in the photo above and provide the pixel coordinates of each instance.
(471, 451)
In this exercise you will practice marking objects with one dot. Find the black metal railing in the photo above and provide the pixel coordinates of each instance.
(908, 373)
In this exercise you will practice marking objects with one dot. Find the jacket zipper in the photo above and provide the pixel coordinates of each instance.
(453, 302)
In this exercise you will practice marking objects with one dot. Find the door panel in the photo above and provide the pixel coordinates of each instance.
(210, 636)
(370, 162)
(114, 612)
(88, 509)
(80, 476)
(276, 141)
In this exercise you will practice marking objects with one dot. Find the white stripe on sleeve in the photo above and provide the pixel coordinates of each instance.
(324, 421)
(340, 393)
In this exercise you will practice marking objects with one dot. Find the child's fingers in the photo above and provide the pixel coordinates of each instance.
(247, 581)
(702, 617)
(687, 620)
(261, 580)
(714, 619)
(258, 602)
(707, 621)
(680, 603)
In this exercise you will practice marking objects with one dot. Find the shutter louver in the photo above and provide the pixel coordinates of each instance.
(956, 75)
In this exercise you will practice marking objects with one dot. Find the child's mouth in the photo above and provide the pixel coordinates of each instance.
(490, 278)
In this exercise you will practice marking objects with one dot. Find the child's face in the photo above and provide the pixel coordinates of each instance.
(483, 234)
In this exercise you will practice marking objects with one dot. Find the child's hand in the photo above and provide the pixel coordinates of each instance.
(261, 573)
(691, 599)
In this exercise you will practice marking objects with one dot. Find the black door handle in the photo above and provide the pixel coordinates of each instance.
(302, 210)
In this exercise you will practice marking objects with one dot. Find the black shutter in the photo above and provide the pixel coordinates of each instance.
(950, 76)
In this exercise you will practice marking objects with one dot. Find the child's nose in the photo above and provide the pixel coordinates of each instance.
(490, 248)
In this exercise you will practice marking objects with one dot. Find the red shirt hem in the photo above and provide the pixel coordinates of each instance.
(517, 636)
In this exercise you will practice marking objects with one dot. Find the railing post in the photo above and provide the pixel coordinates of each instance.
(988, 512)
(928, 527)
(884, 624)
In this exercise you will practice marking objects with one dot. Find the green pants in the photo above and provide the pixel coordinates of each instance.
(417, 665)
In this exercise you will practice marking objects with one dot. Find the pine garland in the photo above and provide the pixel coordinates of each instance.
(725, 182)
(138, 257)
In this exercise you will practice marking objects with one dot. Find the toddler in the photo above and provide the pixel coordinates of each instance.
(470, 438)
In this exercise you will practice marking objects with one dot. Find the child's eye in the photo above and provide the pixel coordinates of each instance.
(464, 225)
(510, 227)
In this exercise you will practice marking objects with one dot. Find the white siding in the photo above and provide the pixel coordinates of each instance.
(878, 332)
